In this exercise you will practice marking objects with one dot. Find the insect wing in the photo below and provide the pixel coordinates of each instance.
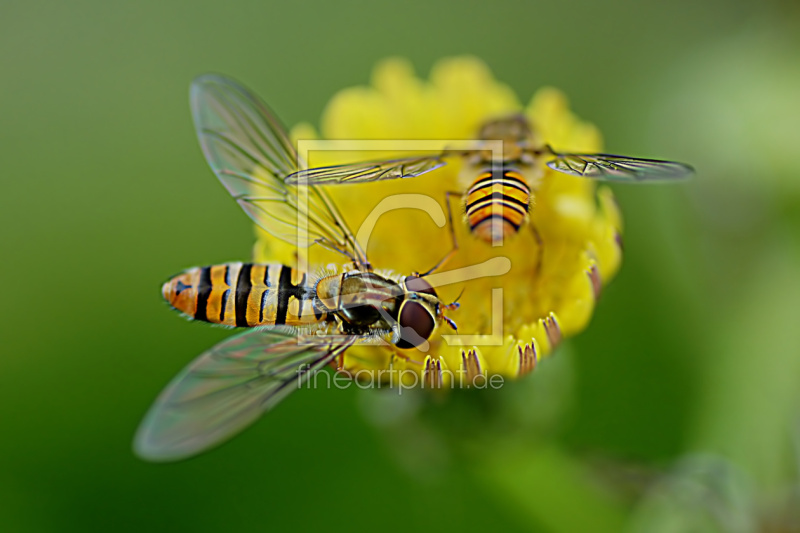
(367, 171)
(609, 167)
(249, 151)
(227, 388)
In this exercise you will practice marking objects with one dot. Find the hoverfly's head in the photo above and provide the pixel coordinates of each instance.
(419, 314)
(512, 128)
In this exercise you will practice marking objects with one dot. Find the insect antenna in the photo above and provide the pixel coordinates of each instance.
(450, 307)
(455, 305)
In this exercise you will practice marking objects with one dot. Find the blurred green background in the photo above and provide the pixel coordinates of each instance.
(694, 349)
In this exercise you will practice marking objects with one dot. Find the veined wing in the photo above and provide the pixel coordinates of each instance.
(610, 167)
(249, 151)
(227, 388)
(409, 167)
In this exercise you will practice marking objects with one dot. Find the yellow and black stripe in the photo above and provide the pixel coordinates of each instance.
(502, 196)
(244, 295)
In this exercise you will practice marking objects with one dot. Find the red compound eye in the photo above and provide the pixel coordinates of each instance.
(416, 324)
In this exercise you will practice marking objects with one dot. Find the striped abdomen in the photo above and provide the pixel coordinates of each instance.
(497, 204)
(244, 295)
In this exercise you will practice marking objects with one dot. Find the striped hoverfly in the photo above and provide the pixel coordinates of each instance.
(297, 323)
(499, 187)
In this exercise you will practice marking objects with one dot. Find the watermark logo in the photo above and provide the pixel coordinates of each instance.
(495, 266)
(396, 379)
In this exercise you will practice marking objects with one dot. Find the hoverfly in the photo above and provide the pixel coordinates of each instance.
(226, 388)
(497, 203)
(356, 301)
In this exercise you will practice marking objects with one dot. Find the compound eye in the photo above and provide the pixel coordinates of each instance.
(416, 324)
(416, 284)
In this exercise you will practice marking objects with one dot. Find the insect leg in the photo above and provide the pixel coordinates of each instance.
(452, 227)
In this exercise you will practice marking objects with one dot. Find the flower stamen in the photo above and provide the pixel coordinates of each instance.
(470, 367)
(527, 358)
(553, 330)
(432, 374)
(596, 281)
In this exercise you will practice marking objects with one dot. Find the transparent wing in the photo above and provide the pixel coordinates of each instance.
(609, 167)
(249, 151)
(227, 388)
(410, 167)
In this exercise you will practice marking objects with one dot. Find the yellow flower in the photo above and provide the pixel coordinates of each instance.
(579, 225)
